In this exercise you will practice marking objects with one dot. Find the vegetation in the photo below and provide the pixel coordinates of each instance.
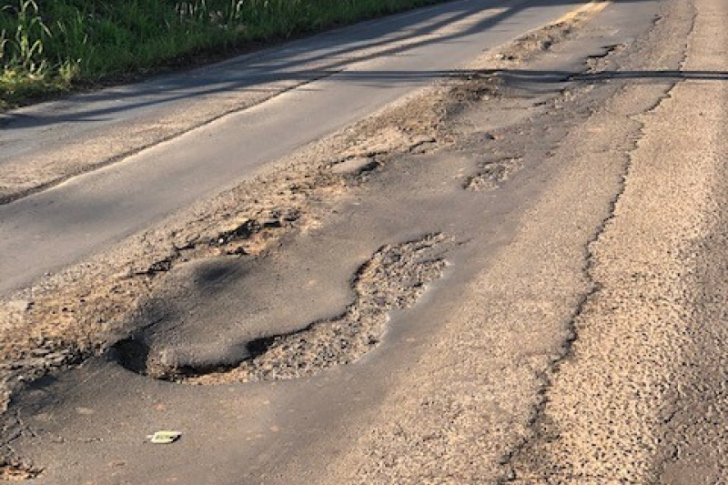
(55, 45)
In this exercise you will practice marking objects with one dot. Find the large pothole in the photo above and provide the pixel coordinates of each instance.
(393, 279)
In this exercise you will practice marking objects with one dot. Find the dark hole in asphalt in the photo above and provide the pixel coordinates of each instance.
(132, 354)
(393, 279)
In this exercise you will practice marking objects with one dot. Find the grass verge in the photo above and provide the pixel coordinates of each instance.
(59, 45)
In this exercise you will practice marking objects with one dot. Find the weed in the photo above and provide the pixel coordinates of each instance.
(52, 45)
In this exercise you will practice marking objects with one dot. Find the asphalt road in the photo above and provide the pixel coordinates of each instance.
(327, 81)
(533, 300)
(535, 296)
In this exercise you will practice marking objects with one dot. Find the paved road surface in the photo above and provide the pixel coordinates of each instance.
(537, 297)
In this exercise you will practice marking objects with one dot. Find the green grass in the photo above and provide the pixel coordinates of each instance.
(52, 46)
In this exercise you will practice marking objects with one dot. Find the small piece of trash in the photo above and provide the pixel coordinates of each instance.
(164, 437)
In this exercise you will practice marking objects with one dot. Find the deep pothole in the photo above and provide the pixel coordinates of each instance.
(394, 278)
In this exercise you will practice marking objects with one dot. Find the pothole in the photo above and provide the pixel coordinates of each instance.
(542, 40)
(393, 279)
(595, 62)
(12, 471)
(493, 174)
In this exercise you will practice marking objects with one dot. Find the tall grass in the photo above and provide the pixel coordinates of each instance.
(53, 45)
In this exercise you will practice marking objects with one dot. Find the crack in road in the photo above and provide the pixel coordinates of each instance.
(535, 460)
(12, 468)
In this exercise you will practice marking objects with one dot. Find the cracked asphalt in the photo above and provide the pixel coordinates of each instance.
(516, 275)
